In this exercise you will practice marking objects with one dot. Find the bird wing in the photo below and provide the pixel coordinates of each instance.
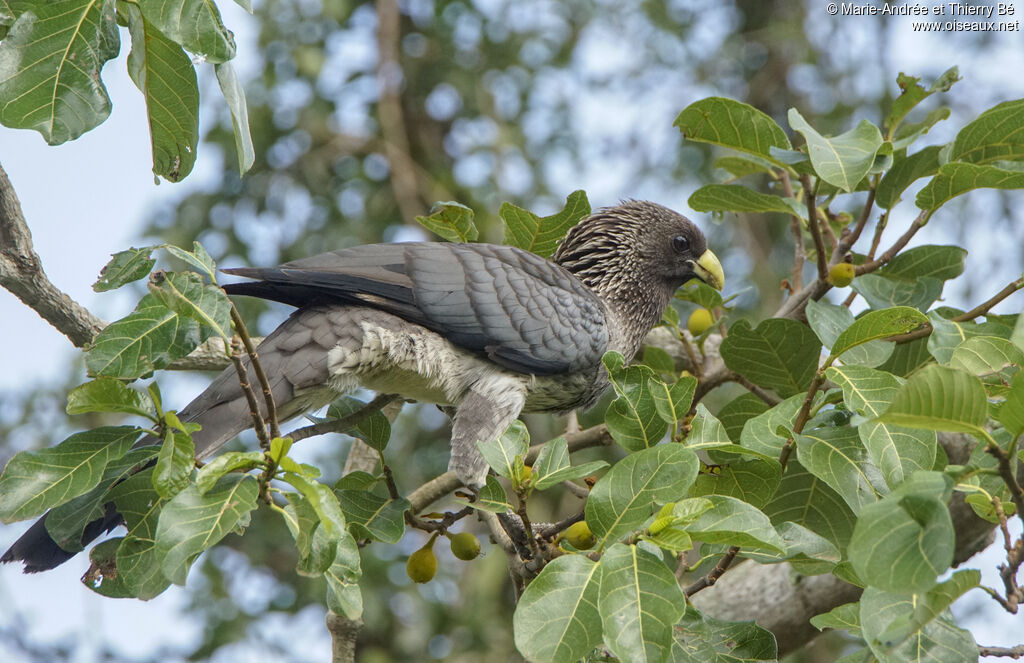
(525, 313)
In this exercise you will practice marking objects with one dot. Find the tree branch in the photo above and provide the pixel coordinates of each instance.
(1009, 652)
(21, 272)
(812, 224)
(344, 632)
(343, 424)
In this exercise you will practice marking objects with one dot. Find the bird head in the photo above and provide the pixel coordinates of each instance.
(638, 245)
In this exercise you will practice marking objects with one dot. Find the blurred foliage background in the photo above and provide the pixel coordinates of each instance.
(366, 113)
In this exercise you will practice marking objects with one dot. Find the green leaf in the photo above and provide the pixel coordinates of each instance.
(807, 552)
(149, 338)
(761, 434)
(191, 523)
(528, 231)
(903, 542)
(837, 457)
(625, 497)
(879, 324)
(35, 481)
(501, 453)
(197, 257)
(928, 607)
(640, 601)
(907, 357)
(234, 96)
(779, 354)
(702, 638)
(845, 617)
(673, 403)
(882, 291)
(907, 134)
(986, 355)
(109, 395)
(323, 500)
(1011, 414)
(912, 94)
(699, 293)
(904, 172)
(66, 522)
(830, 320)
(187, 295)
(738, 198)
(995, 135)
(492, 498)
(805, 499)
(706, 431)
(165, 75)
(103, 577)
(372, 516)
(452, 221)
(736, 413)
(174, 465)
(552, 466)
(229, 461)
(557, 619)
(125, 267)
(375, 429)
(195, 24)
(947, 335)
(844, 160)
(50, 64)
(303, 522)
(940, 398)
(939, 640)
(741, 167)
(753, 480)
(138, 561)
(633, 418)
(736, 523)
(938, 262)
(955, 178)
(733, 124)
(343, 595)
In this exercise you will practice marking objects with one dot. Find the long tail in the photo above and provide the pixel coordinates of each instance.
(295, 358)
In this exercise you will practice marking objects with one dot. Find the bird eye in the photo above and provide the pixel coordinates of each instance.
(680, 243)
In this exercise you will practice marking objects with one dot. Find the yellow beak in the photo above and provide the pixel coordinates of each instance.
(709, 270)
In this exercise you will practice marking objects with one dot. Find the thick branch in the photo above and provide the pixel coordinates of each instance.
(344, 632)
(21, 272)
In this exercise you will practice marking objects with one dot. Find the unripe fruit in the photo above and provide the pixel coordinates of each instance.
(841, 275)
(699, 321)
(580, 536)
(422, 564)
(465, 546)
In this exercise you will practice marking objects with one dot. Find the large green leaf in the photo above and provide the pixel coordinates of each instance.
(845, 617)
(995, 135)
(150, 337)
(940, 398)
(708, 640)
(807, 552)
(941, 262)
(528, 231)
(1011, 414)
(986, 355)
(954, 179)
(195, 24)
(879, 324)
(735, 414)
(374, 516)
(733, 124)
(737, 198)
(50, 64)
(452, 221)
(903, 542)
(805, 499)
(904, 172)
(556, 619)
(192, 523)
(837, 457)
(640, 601)
(761, 433)
(35, 481)
(843, 160)
(736, 523)
(501, 453)
(343, 594)
(779, 354)
(753, 480)
(165, 75)
(552, 466)
(124, 267)
(375, 429)
(830, 320)
(138, 562)
(187, 295)
(234, 96)
(633, 418)
(109, 395)
(175, 463)
(939, 639)
(625, 497)
(673, 403)
(883, 291)
(928, 606)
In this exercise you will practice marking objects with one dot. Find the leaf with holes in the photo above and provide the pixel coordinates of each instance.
(452, 221)
(540, 235)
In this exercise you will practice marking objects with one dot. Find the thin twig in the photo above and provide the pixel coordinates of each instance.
(898, 245)
(812, 224)
(257, 366)
(1008, 652)
(876, 240)
(254, 409)
(802, 417)
(714, 574)
(1006, 472)
(343, 424)
(551, 529)
(984, 308)
(769, 398)
(847, 242)
(796, 279)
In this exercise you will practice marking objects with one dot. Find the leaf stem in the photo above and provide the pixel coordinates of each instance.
(261, 375)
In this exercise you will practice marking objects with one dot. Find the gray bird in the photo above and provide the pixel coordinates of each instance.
(490, 331)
